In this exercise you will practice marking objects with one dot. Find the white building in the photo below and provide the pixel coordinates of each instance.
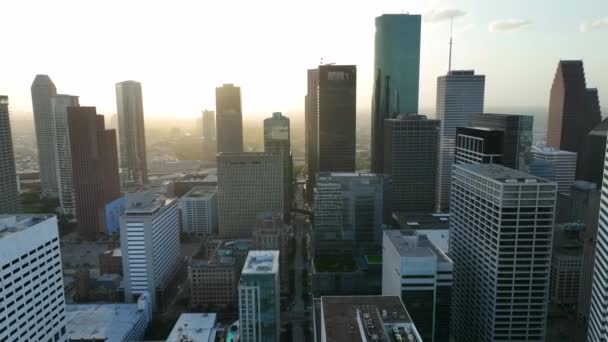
(501, 230)
(150, 244)
(194, 327)
(32, 302)
(460, 93)
(259, 298)
(416, 270)
(563, 164)
(109, 322)
(199, 211)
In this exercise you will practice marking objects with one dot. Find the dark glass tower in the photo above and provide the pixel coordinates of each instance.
(229, 119)
(591, 158)
(130, 109)
(477, 145)
(312, 131)
(9, 198)
(277, 142)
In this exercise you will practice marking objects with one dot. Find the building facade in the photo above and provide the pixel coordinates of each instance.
(311, 124)
(229, 119)
(478, 146)
(9, 187)
(563, 164)
(199, 211)
(132, 134)
(277, 140)
(43, 90)
(566, 264)
(590, 166)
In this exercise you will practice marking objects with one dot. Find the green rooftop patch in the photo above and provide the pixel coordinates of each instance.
(374, 259)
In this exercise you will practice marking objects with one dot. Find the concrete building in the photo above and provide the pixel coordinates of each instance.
(199, 211)
(109, 322)
(43, 90)
(277, 140)
(501, 230)
(397, 72)
(33, 301)
(563, 164)
(311, 131)
(459, 94)
(248, 184)
(477, 145)
(150, 244)
(229, 119)
(362, 318)
(411, 145)
(63, 157)
(194, 327)
(566, 264)
(9, 183)
(421, 274)
(132, 134)
(436, 226)
(259, 298)
(110, 262)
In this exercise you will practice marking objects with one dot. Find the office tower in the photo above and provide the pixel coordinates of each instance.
(501, 229)
(478, 146)
(132, 134)
(199, 211)
(566, 264)
(59, 105)
(229, 119)
(573, 108)
(421, 274)
(337, 120)
(270, 233)
(349, 209)
(563, 164)
(248, 184)
(149, 240)
(259, 298)
(411, 145)
(43, 90)
(362, 318)
(33, 295)
(516, 134)
(460, 93)
(94, 169)
(277, 141)
(209, 124)
(311, 126)
(9, 188)
(590, 165)
(397, 72)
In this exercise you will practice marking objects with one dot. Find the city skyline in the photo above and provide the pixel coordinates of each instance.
(479, 37)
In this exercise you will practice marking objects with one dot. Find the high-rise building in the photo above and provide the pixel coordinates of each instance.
(9, 201)
(209, 124)
(337, 120)
(277, 141)
(460, 93)
(566, 264)
(94, 169)
(132, 135)
(411, 144)
(421, 274)
(59, 105)
(478, 145)
(397, 73)
(229, 119)
(259, 298)
(311, 126)
(150, 244)
(562, 162)
(501, 230)
(590, 165)
(516, 134)
(33, 307)
(43, 90)
(199, 211)
(573, 108)
(248, 184)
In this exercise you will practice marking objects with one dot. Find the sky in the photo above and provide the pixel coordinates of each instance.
(181, 50)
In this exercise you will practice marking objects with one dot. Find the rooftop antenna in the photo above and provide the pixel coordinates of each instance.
(451, 31)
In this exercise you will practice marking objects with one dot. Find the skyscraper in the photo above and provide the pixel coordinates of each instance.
(337, 91)
(590, 166)
(43, 90)
(573, 108)
(248, 184)
(132, 135)
(277, 141)
(9, 189)
(94, 169)
(501, 230)
(460, 93)
(563, 163)
(229, 119)
(209, 124)
(311, 131)
(59, 104)
(411, 145)
(259, 298)
(476, 145)
(397, 72)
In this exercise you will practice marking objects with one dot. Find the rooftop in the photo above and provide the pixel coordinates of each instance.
(421, 220)
(116, 252)
(501, 173)
(210, 176)
(11, 223)
(201, 192)
(102, 321)
(194, 327)
(261, 262)
(146, 202)
(410, 244)
(553, 151)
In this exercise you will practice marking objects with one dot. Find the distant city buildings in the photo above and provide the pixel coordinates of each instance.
(460, 93)
(277, 141)
(208, 134)
(9, 187)
(131, 130)
(199, 211)
(563, 164)
(396, 76)
(229, 119)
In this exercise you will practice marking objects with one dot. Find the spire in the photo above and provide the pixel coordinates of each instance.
(451, 31)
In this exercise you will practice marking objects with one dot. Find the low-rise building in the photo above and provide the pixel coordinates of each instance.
(110, 262)
(194, 327)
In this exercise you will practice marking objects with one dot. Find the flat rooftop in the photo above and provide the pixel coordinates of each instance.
(261, 262)
(194, 327)
(146, 202)
(421, 220)
(201, 192)
(501, 173)
(102, 321)
(411, 244)
(12, 223)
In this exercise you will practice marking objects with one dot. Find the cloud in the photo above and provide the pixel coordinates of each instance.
(508, 25)
(437, 15)
(594, 25)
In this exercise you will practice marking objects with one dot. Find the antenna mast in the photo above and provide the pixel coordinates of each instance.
(451, 30)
